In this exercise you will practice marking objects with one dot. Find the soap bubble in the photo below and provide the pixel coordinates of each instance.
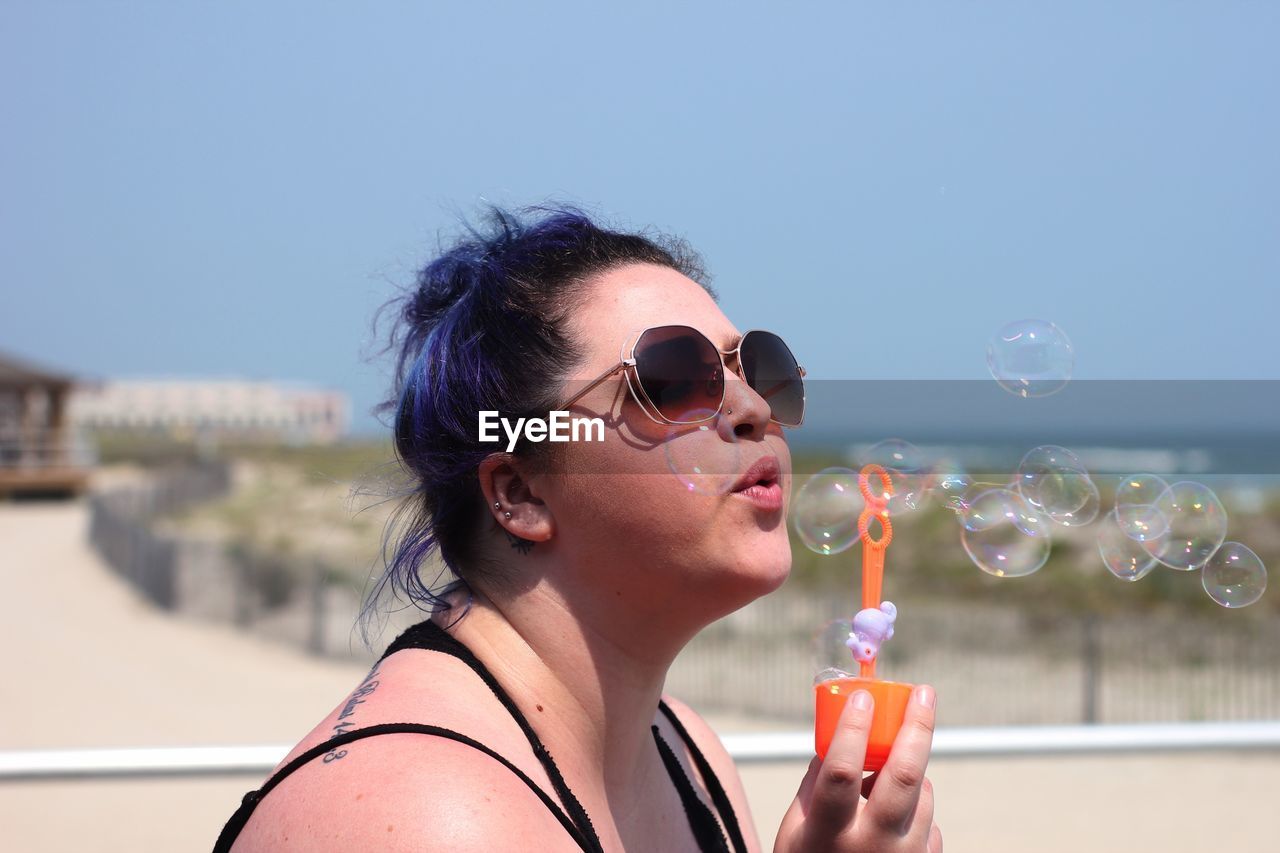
(907, 470)
(993, 536)
(985, 507)
(997, 506)
(949, 483)
(832, 656)
(1085, 513)
(1141, 521)
(702, 459)
(1024, 516)
(1135, 511)
(1124, 557)
(831, 673)
(1030, 358)
(825, 511)
(1005, 551)
(973, 491)
(1140, 489)
(1234, 576)
(1197, 526)
(1052, 480)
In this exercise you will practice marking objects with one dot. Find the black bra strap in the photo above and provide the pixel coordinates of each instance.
(714, 787)
(705, 828)
(430, 636)
(251, 799)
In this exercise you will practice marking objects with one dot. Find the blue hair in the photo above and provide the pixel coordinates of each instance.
(484, 328)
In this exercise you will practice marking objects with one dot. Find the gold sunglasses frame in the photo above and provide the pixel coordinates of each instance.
(627, 363)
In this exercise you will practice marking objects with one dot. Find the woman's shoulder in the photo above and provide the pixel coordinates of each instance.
(400, 792)
(406, 790)
(415, 686)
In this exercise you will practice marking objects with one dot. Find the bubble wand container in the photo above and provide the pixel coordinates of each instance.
(872, 625)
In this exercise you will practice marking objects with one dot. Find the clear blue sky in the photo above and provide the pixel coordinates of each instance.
(230, 188)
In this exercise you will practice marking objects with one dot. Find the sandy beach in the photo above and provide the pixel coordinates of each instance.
(89, 663)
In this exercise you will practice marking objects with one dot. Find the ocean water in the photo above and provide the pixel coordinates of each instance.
(1197, 429)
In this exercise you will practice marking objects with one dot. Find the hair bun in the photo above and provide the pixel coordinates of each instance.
(442, 286)
(469, 268)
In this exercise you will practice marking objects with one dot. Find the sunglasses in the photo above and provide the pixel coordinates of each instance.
(676, 375)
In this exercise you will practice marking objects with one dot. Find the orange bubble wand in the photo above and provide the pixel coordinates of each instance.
(890, 697)
(875, 508)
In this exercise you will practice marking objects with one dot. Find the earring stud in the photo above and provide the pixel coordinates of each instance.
(497, 505)
(507, 514)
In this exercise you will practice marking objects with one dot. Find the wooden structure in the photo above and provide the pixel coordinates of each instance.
(38, 451)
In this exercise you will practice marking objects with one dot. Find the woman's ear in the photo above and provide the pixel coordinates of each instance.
(512, 500)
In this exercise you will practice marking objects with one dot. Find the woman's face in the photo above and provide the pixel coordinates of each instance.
(625, 516)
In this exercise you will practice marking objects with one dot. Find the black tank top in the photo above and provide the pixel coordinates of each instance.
(428, 635)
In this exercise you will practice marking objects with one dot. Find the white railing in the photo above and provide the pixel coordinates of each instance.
(755, 747)
(44, 450)
(1036, 740)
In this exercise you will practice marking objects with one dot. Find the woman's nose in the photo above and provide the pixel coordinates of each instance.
(745, 413)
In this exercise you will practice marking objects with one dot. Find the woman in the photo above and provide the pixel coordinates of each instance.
(532, 696)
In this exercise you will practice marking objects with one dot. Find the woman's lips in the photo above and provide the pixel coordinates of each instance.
(766, 496)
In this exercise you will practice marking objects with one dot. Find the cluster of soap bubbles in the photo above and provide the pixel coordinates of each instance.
(1006, 528)
(1182, 526)
(825, 510)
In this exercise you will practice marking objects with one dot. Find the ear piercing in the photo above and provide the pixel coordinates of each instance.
(498, 505)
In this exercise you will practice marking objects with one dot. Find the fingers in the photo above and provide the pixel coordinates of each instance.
(893, 803)
(839, 778)
(805, 794)
(935, 840)
(921, 821)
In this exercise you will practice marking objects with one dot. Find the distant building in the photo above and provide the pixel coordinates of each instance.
(223, 408)
(40, 451)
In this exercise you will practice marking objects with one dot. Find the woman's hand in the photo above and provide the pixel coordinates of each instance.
(897, 817)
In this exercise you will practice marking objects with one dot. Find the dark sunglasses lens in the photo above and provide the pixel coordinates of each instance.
(680, 372)
(772, 372)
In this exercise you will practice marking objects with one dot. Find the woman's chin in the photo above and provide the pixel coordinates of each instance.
(776, 575)
(760, 573)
